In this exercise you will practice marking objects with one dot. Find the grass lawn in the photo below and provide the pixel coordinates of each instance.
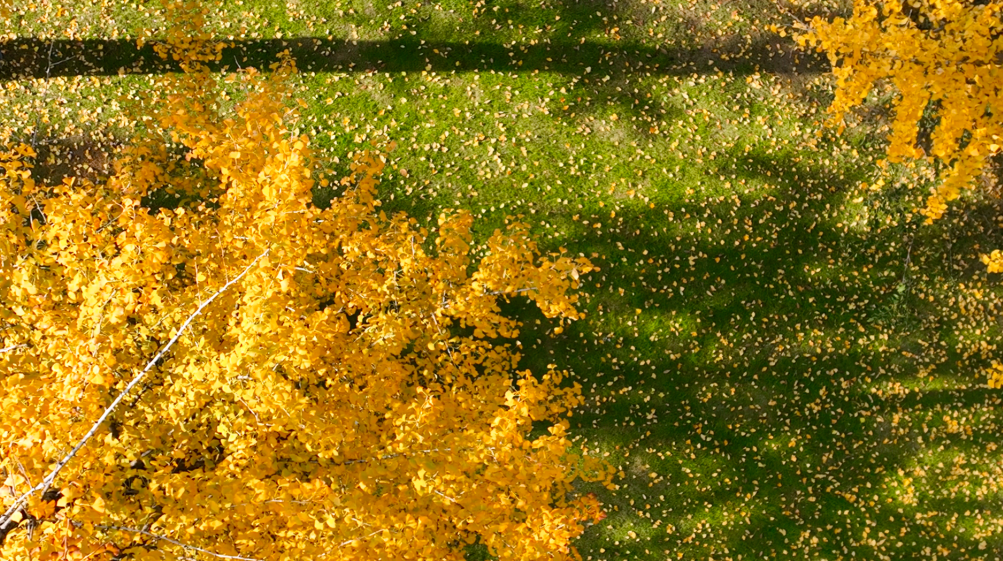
(781, 359)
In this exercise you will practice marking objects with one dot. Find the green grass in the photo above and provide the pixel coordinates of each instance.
(782, 391)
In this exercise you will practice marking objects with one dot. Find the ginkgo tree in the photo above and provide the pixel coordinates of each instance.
(944, 61)
(196, 361)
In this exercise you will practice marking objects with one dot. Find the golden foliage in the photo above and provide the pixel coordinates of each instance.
(942, 57)
(348, 393)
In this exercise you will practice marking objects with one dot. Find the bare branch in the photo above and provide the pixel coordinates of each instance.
(177, 543)
(389, 456)
(353, 540)
(12, 348)
(505, 293)
(43, 485)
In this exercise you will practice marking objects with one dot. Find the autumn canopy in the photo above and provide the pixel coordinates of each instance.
(941, 59)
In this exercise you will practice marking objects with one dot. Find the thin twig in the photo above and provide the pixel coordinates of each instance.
(504, 293)
(44, 485)
(177, 543)
(45, 94)
(13, 348)
(908, 256)
(353, 540)
(390, 456)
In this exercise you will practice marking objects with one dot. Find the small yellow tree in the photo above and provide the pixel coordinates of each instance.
(241, 374)
(943, 58)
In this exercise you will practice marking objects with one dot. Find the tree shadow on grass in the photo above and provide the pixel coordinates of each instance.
(563, 36)
(41, 58)
(738, 420)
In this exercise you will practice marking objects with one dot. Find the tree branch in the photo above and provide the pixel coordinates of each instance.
(505, 293)
(12, 348)
(44, 484)
(408, 454)
(177, 543)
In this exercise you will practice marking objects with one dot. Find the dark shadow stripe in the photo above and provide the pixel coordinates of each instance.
(37, 58)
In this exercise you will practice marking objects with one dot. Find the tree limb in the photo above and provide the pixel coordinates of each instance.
(177, 543)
